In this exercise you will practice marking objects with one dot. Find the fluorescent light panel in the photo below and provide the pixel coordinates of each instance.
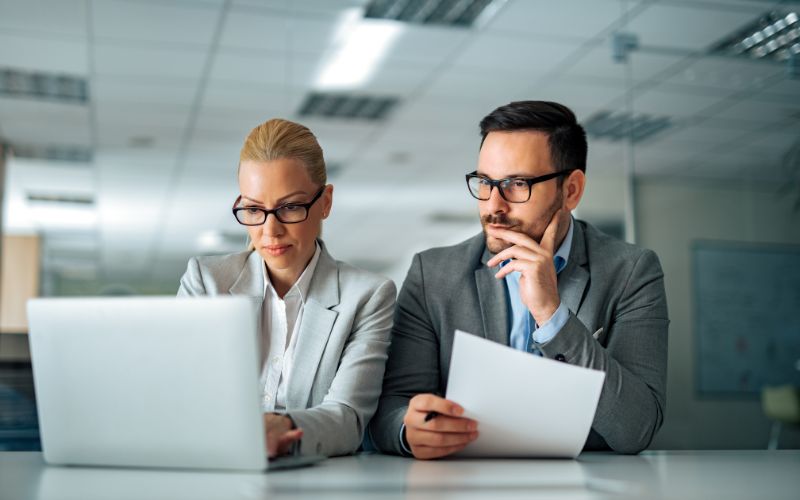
(46, 86)
(775, 35)
(360, 47)
(71, 154)
(619, 126)
(348, 107)
(458, 13)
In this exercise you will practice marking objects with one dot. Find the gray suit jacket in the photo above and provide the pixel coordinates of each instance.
(607, 284)
(341, 348)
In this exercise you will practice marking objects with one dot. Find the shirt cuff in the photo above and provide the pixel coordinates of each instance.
(404, 442)
(546, 332)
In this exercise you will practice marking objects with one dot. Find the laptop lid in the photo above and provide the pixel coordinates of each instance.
(148, 381)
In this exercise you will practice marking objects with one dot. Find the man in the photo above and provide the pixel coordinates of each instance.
(535, 279)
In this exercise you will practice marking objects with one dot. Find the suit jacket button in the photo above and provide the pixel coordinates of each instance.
(560, 357)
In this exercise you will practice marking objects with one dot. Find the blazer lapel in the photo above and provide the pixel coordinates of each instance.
(250, 281)
(492, 300)
(315, 329)
(573, 279)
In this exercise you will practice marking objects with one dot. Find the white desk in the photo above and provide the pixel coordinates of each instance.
(679, 475)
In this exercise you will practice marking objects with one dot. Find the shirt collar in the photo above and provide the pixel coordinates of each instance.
(300, 287)
(562, 255)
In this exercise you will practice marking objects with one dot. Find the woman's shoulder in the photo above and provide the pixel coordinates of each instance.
(223, 270)
(222, 262)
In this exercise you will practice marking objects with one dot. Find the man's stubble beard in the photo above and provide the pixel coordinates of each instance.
(496, 246)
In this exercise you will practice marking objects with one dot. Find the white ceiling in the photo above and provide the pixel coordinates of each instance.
(187, 79)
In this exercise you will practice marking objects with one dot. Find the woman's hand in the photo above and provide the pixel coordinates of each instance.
(279, 434)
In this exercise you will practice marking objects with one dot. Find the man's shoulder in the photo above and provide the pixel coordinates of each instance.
(465, 254)
(604, 247)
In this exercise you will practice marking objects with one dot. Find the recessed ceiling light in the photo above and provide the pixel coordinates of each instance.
(358, 48)
(40, 85)
(775, 35)
(71, 154)
(348, 107)
(619, 126)
(458, 13)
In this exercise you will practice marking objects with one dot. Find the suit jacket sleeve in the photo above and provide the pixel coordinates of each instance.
(633, 398)
(192, 281)
(337, 425)
(413, 364)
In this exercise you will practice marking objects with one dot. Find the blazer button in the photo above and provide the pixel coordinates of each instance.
(560, 357)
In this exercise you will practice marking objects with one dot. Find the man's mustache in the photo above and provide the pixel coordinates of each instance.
(499, 219)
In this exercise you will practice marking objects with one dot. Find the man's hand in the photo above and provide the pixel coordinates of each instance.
(279, 434)
(442, 435)
(538, 283)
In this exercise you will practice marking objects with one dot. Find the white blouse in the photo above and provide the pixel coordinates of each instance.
(279, 331)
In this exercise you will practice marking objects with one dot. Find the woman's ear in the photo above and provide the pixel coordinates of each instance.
(327, 201)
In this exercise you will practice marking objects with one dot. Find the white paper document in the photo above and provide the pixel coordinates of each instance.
(525, 405)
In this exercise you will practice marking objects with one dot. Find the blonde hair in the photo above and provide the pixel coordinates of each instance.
(278, 139)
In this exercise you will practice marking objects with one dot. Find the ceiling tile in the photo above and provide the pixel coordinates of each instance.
(714, 73)
(598, 63)
(266, 68)
(276, 33)
(576, 18)
(111, 90)
(47, 55)
(453, 87)
(306, 7)
(581, 95)
(664, 102)
(42, 122)
(267, 100)
(191, 23)
(144, 114)
(767, 112)
(147, 63)
(693, 27)
(513, 55)
(427, 45)
(62, 17)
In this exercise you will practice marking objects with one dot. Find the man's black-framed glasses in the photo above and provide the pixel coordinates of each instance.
(512, 189)
(289, 213)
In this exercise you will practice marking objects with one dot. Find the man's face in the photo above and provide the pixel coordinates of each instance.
(518, 154)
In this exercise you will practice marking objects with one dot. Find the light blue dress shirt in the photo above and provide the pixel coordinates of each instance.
(525, 333)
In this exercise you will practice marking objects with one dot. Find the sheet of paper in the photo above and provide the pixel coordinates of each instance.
(525, 405)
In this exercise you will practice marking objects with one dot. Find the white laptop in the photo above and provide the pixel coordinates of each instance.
(150, 382)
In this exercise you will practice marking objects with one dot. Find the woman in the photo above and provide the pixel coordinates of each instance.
(324, 325)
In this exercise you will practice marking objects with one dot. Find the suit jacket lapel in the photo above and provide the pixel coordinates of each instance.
(492, 299)
(315, 329)
(573, 279)
(250, 281)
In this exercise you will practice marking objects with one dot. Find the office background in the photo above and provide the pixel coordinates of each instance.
(121, 122)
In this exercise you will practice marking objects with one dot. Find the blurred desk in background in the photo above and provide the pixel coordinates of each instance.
(678, 475)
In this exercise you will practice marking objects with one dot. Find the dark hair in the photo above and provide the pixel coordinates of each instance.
(566, 138)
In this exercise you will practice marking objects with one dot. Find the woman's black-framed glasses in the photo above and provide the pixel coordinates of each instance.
(290, 213)
(512, 189)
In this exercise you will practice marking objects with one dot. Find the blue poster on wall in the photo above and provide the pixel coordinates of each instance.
(746, 316)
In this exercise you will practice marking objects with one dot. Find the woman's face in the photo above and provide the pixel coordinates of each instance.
(286, 248)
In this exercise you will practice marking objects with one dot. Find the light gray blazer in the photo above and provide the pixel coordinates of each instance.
(341, 349)
(607, 284)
